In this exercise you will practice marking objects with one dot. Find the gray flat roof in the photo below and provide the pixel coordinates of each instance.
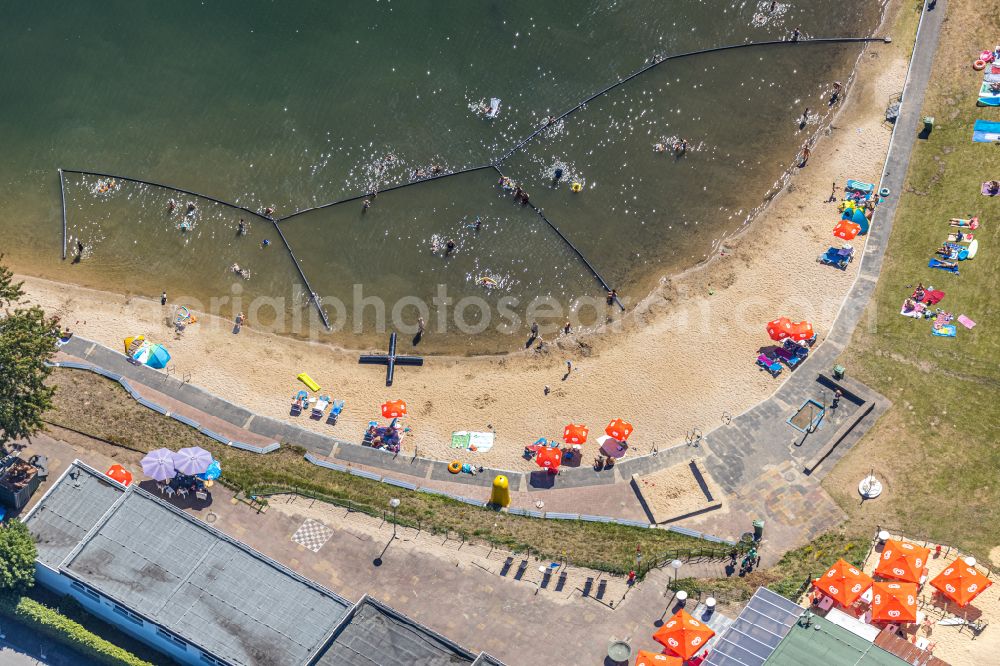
(211, 590)
(68, 510)
(376, 635)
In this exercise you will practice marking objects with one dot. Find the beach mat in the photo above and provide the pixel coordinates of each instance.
(933, 296)
(965, 321)
(947, 331)
(936, 263)
(473, 441)
(985, 189)
(986, 131)
(914, 313)
(987, 97)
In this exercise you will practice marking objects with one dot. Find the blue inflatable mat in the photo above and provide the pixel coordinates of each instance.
(860, 186)
(947, 331)
(986, 131)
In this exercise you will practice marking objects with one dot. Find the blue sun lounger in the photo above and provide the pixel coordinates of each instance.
(769, 364)
(837, 256)
(790, 358)
(299, 400)
(936, 263)
(335, 409)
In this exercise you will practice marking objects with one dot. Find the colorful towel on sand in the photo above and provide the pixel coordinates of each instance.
(965, 321)
(987, 97)
(473, 441)
(944, 331)
(985, 189)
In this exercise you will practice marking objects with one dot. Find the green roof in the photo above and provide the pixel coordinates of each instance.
(825, 643)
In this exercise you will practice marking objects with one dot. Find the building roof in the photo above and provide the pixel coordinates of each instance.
(823, 642)
(70, 508)
(375, 634)
(756, 632)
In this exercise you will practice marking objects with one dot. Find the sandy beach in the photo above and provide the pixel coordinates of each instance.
(681, 359)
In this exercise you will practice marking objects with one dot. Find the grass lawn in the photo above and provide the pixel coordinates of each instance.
(936, 449)
(96, 406)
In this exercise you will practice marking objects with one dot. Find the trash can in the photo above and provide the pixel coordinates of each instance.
(928, 124)
(839, 371)
(758, 529)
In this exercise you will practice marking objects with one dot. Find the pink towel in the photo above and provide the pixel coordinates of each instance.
(965, 321)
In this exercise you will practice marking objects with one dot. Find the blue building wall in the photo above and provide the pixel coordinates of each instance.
(148, 632)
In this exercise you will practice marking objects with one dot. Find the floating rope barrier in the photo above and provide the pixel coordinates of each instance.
(659, 60)
(356, 197)
(140, 181)
(62, 195)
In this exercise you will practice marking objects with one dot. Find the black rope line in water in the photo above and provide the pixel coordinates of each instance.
(659, 61)
(569, 244)
(356, 197)
(62, 195)
(492, 165)
(140, 181)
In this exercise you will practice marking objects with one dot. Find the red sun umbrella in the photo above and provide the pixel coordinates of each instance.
(780, 328)
(847, 230)
(619, 430)
(549, 457)
(120, 474)
(646, 658)
(961, 581)
(801, 330)
(894, 602)
(683, 635)
(575, 434)
(394, 409)
(902, 560)
(843, 583)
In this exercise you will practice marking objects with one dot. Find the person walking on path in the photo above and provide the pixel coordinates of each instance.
(163, 298)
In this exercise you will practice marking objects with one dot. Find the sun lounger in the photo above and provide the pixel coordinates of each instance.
(796, 348)
(320, 406)
(936, 263)
(769, 364)
(837, 256)
(335, 410)
(790, 358)
(299, 401)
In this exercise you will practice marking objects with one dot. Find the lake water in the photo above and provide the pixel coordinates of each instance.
(292, 105)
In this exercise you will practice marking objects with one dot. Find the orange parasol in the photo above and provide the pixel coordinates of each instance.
(619, 430)
(844, 583)
(847, 230)
(902, 560)
(801, 330)
(961, 581)
(779, 329)
(120, 474)
(894, 602)
(575, 434)
(394, 409)
(549, 457)
(683, 635)
(646, 658)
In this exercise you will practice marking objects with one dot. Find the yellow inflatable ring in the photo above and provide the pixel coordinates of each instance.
(454, 467)
(576, 187)
(979, 65)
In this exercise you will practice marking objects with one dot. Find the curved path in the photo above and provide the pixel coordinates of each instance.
(763, 464)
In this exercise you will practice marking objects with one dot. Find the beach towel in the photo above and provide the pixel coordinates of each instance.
(935, 263)
(985, 189)
(987, 97)
(916, 313)
(945, 331)
(933, 296)
(965, 321)
(991, 78)
(986, 131)
(474, 441)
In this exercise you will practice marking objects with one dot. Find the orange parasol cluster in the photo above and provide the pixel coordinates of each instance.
(392, 409)
(961, 581)
(549, 457)
(894, 602)
(902, 560)
(683, 635)
(619, 430)
(120, 474)
(783, 328)
(646, 658)
(843, 583)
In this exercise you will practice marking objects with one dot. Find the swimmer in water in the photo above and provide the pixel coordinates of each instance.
(837, 87)
(171, 206)
(449, 247)
(437, 168)
(269, 211)
(241, 228)
(660, 148)
(478, 225)
(366, 205)
(191, 207)
(557, 176)
(264, 243)
(680, 147)
(774, 6)
(79, 248)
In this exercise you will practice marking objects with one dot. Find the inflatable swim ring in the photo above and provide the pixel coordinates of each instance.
(979, 65)
(454, 467)
(986, 56)
(576, 187)
(884, 192)
(487, 281)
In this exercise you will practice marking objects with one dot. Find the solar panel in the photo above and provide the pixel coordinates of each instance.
(750, 640)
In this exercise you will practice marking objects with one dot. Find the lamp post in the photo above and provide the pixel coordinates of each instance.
(394, 503)
(676, 564)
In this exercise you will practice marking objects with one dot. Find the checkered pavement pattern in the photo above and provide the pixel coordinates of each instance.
(312, 534)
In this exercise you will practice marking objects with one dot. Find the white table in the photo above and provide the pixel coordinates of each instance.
(168, 491)
(826, 603)
(867, 596)
(922, 642)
